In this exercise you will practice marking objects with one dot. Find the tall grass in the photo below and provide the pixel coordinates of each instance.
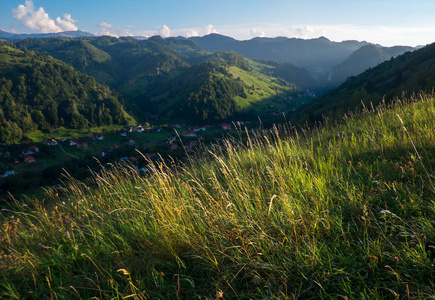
(341, 211)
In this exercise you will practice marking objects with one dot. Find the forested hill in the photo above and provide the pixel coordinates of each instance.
(151, 76)
(40, 92)
(409, 73)
(118, 61)
(362, 59)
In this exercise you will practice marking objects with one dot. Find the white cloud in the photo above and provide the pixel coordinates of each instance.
(303, 32)
(209, 29)
(67, 24)
(256, 33)
(164, 31)
(38, 19)
(192, 32)
(109, 29)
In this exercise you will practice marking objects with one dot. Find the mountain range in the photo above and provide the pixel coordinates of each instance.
(316, 55)
(18, 36)
(210, 78)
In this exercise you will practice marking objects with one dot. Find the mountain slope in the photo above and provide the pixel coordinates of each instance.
(39, 92)
(337, 212)
(289, 72)
(362, 59)
(217, 89)
(409, 73)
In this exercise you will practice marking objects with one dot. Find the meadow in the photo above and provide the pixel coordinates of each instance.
(340, 211)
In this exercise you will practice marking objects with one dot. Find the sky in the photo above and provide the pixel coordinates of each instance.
(385, 22)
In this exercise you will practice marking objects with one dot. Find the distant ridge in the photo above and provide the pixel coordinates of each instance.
(362, 59)
(18, 36)
(411, 72)
(317, 55)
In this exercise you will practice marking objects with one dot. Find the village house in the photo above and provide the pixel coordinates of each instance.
(50, 142)
(82, 144)
(96, 136)
(175, 147)
(27, 152)
(226, 126)
(29, 159)
(188, 133)
(131, 142)
(8, 173)
(199, 128)
(34, 149)
(73, 143)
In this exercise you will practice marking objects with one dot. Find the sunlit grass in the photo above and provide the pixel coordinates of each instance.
(342, 211)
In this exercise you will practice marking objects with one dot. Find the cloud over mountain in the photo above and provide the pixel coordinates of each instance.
(256, 33)
(164, 31)
(109, 29)
(209, 29)
(67, 24)
(38, 19)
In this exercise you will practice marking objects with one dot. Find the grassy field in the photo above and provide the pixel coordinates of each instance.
(264, 94)
(340, 212)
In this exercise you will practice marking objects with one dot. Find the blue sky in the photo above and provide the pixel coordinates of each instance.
(386, 22)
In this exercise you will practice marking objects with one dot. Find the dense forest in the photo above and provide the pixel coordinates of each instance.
(39, 92)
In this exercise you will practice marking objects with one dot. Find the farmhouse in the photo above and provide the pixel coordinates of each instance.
(226, 126)
(82, 144)
(188, 133)
(29, 159)
(50, 142)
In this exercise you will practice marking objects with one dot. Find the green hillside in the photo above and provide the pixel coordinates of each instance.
(362, 59)
(151, 75)
(39, 92)
(289, 72)
(216, 90)
(341, 212)
(409, 73)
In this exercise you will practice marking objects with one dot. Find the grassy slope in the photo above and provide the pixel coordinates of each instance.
(265, 93)
(341, 212)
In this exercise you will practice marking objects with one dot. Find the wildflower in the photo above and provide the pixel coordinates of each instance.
(396, 258)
